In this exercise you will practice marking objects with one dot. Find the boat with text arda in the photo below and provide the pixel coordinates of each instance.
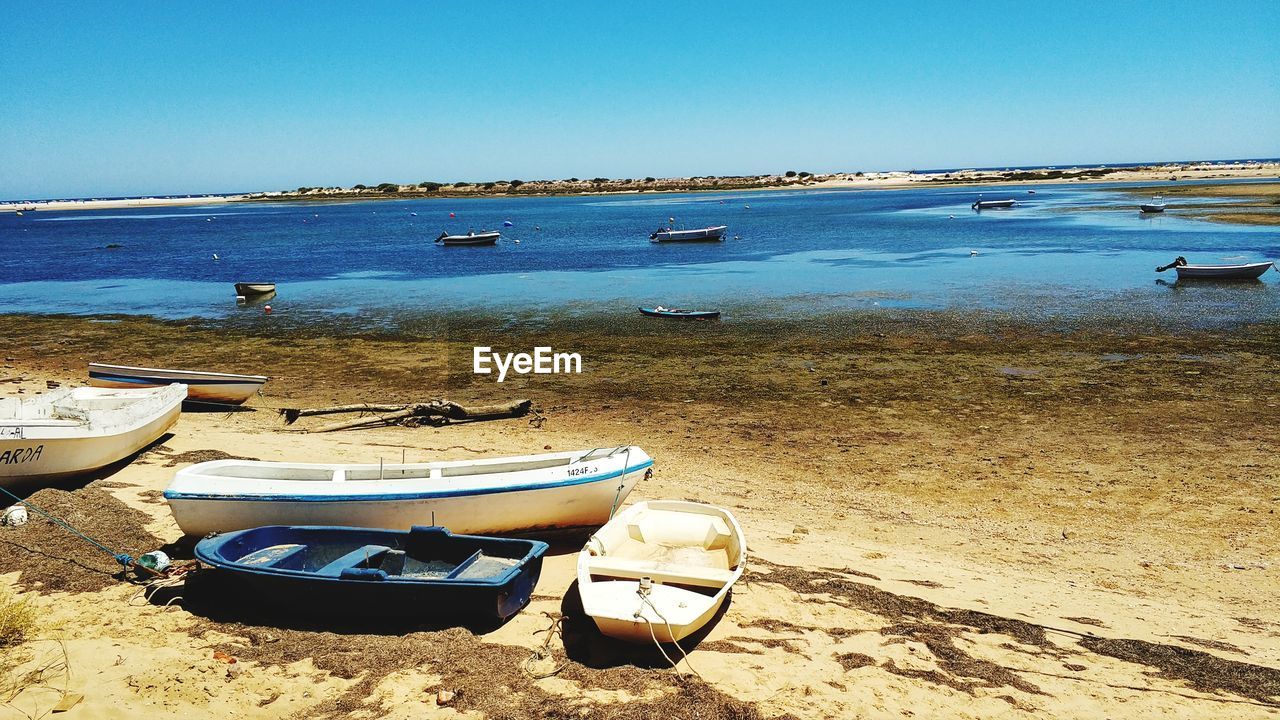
(660, 570)
(75, 431)
(471, 238)
(561, 492)
(202, 387)
(426, 572)
(706, 234)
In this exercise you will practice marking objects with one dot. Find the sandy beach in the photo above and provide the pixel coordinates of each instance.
(877, 180)
(948, 516)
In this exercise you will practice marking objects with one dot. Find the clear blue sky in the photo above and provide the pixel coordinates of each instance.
(165, 97)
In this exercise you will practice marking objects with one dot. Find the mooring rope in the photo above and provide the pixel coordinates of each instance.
(644, 598)
(544, 652)
(124, 559)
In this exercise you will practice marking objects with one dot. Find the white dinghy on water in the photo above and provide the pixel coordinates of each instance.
(532, 494)
(660, 570)
(75, 431)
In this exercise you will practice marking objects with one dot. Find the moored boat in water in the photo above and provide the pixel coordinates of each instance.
(1237, 271)
(425, 572)
(250, 289)
(471, 238)
(532, 494)
(202, 387)
(706, 234)
(981, 204)
(660, 570)
(75, 431)
(1156, 205)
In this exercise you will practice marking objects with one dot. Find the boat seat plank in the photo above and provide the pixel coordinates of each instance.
(660, 572)
(355, 558)
(462, 566)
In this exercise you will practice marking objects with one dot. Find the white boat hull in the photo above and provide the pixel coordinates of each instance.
(1245, 271)
(35, 455)
(560, 499)
(710, 234)
(691, 555)
(206, 387)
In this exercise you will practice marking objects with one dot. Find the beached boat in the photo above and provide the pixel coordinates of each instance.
(471, 238)
(706, 234)
(992, 204)
(426, 572)
(202, 387)
(1155, 206)
(249, 289)
(678, 314)
(534, 494)
(75, 431)
(660, 569)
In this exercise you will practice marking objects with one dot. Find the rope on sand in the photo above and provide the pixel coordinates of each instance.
(544, 652)
(124, 559)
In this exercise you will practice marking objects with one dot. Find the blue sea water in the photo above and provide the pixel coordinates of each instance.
(1064, 251)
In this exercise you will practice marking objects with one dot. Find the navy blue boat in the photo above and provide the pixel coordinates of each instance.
(679, 314)
(427, 571)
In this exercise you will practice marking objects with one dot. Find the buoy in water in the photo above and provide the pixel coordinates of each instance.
(215, 257)
(267, 310)
(452, 215)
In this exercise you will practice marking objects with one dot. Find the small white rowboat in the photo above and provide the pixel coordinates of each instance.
(74, 431)
(202, 387)
(1243, 271)
(660, 570)
(531, 494)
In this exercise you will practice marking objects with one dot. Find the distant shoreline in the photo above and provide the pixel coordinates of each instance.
(893, 180)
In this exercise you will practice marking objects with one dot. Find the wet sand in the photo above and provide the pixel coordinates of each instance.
(957, 516)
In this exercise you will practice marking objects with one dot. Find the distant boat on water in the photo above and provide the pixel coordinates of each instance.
(981, 204)
(678, 314)
(706, 234)
(1239, 271)
(249, 289)
(1155, 206)
(471, 238)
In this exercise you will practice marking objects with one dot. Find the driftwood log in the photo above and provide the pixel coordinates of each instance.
(436, 412)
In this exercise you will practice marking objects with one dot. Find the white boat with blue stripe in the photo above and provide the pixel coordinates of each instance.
(561, 492)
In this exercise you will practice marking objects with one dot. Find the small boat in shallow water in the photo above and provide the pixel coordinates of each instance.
(202, 387)
(706, 234)
(660, 570)
(992, 204)
(532, 494)
(471, 238)
(426, 572)
(1155, 206)
(678, 314)
(1240, 271)
(250, 289)
(75, 431)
